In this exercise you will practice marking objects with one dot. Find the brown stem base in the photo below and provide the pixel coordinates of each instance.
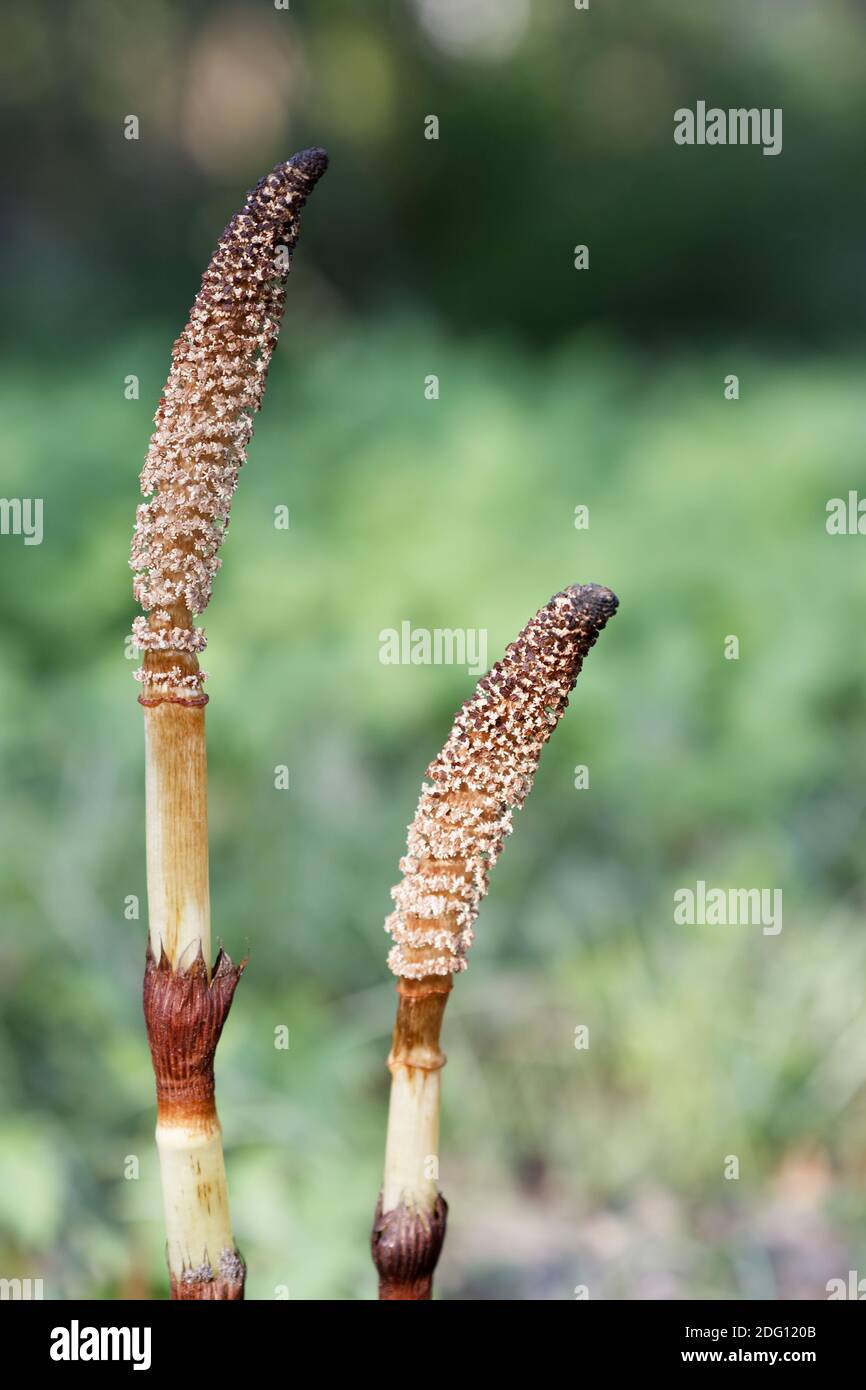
(421, 1291)
(203, 1285)
(405, 1245)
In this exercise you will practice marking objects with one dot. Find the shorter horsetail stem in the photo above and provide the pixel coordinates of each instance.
(484, 772)
(202, 427)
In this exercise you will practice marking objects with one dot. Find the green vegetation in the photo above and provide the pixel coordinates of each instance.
(707, 518)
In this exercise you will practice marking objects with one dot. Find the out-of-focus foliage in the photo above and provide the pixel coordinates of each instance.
(556, 128)
(453, 257)
(562, 1166)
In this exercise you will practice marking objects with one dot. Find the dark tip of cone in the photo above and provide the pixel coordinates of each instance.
(312, 163)
(596, 598)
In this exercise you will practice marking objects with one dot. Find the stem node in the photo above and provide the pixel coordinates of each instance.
(405, 1245)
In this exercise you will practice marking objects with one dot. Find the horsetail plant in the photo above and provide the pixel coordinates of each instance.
(484, 772)
(203, 425)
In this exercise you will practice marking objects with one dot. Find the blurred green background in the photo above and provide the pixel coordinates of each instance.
(603, 1167)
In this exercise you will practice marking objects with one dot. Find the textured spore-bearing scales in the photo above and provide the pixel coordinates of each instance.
(204, 423)
(483, 773)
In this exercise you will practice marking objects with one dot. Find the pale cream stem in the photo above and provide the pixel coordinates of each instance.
(200, 1245)
(178, 890)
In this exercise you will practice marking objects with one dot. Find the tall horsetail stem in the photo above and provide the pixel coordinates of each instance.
(203, 425)
(484, 772)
